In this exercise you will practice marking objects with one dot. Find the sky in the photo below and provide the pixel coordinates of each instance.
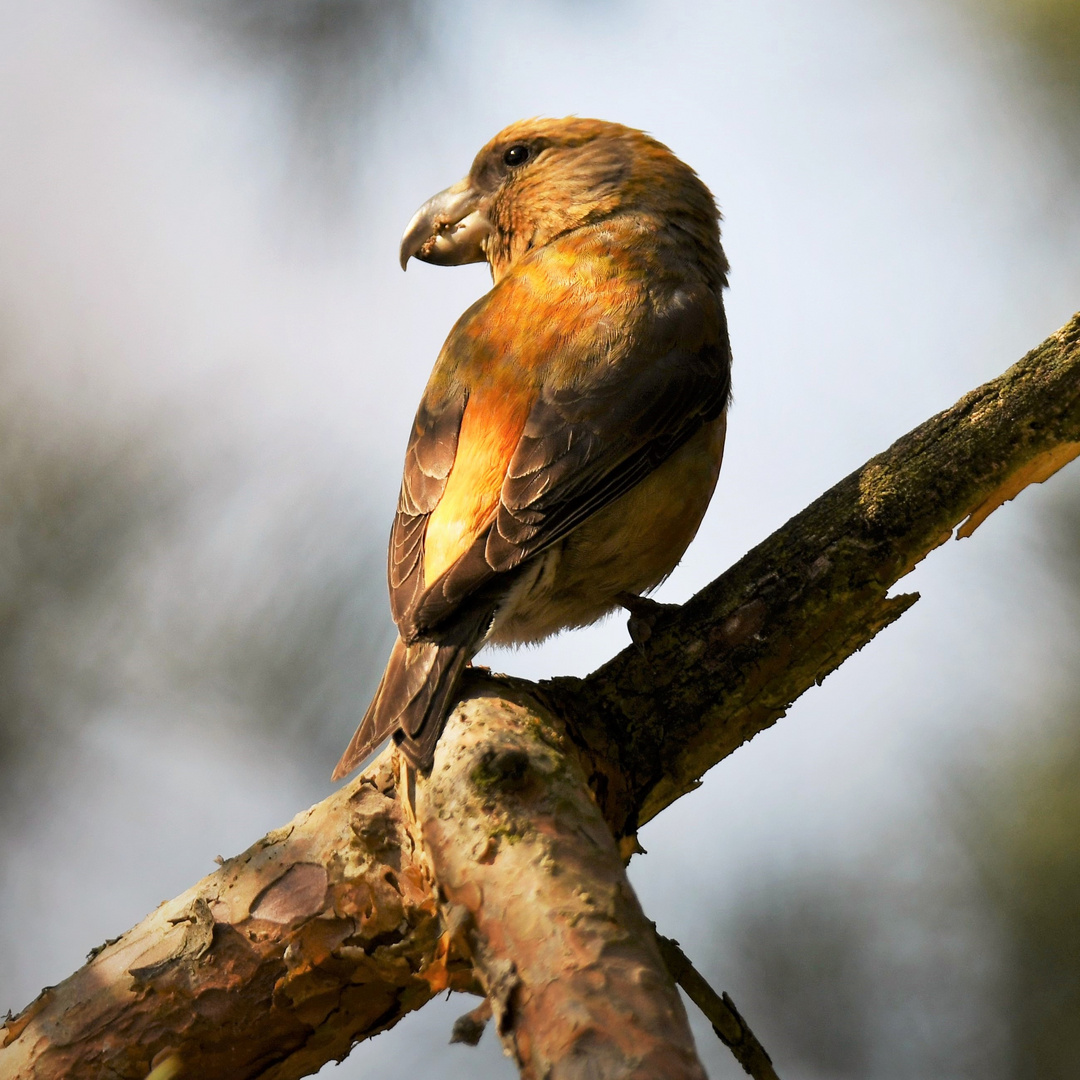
(177, 269)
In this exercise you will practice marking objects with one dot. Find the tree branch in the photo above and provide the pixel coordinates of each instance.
(730, 662)
(532, 875)
(730, 1027)
(321, 933)
(327, 932)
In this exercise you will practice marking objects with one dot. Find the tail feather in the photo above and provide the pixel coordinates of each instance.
(413, 700)
(423, 723)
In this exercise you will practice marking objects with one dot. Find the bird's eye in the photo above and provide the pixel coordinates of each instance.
(517, 154)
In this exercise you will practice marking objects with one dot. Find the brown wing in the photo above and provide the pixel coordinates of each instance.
(411, 700)
(581, 449)
(428, 461)
(575, 451)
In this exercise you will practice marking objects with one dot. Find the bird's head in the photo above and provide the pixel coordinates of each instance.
(541, 178)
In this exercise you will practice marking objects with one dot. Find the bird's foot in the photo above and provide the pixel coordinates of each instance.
(644, 615)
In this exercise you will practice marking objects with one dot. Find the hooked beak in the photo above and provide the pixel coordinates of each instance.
(448, 230)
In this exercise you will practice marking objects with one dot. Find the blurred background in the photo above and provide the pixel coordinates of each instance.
(208, 366)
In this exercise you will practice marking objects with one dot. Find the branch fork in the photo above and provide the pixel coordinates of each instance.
(503, 872)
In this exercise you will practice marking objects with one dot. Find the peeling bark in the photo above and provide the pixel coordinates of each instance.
(532, 877)
(328, 931)
(318, 934)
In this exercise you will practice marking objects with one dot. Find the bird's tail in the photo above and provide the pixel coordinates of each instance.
(412, 702)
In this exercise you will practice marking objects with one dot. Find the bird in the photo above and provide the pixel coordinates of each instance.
(571, 434)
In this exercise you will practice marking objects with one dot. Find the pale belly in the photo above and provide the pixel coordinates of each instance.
(629, 546)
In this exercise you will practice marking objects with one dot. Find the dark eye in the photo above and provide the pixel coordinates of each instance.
(517, 154)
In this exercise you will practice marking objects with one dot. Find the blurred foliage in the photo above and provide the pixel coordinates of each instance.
(339, 54)
(803, 973)
(866, 973)
(1051, 30)
(1030, 857)
(123, 576)
(1024, 827)
(1025, 835)
(334, 62)
(277, 601)
(125, 581)
(74, 506)
(1048, 31)
(966, 963)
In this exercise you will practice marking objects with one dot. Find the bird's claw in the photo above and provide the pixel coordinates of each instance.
(644, 615)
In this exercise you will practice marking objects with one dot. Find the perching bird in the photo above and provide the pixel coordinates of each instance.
(569, 439)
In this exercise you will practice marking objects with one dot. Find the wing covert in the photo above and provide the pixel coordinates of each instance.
(584, 446)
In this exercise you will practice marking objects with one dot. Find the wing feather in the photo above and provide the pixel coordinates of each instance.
(580, 449)
(429, 458)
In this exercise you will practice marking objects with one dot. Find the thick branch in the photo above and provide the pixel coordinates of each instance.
(730, 662)
(326, 932)
(319, 934)
(532, 876)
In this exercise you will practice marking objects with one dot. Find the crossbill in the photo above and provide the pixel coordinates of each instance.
(571, 433)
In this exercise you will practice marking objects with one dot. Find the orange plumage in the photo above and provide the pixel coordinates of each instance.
(571, 433)
(491, 427)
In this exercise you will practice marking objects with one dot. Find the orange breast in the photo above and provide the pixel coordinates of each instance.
(490, 430)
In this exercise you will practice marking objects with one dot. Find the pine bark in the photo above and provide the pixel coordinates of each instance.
(531, 876)
(333, 928)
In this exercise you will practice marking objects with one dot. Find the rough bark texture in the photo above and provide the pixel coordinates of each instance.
(320, 933)
(517, 844)
(327, 931)
(730, 662)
